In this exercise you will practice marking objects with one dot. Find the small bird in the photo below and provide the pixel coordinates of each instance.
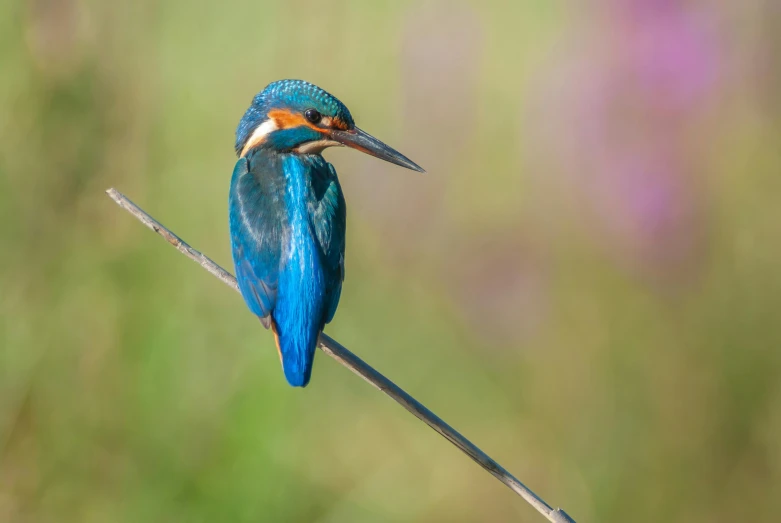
(287, 214)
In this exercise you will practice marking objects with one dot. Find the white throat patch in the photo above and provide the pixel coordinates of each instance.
(259, 135)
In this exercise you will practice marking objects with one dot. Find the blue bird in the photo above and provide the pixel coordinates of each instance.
(287, 214)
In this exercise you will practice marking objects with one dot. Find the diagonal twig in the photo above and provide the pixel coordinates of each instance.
(362, 369)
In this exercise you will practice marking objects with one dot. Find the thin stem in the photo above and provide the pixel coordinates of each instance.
(362, 369)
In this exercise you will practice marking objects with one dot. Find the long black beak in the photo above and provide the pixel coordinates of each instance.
(364, 142)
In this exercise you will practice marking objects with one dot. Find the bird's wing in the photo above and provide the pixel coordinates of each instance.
(335, 291)
(255, 240)
(330, 225)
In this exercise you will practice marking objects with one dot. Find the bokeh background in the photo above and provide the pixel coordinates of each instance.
(586, 282)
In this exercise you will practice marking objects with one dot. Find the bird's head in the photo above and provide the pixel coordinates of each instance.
(296, 116)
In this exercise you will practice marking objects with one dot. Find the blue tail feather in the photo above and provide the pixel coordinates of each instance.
(297, 354)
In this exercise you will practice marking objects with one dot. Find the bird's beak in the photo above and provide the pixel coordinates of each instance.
(364, 142)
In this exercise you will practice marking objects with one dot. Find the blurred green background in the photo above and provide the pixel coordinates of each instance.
(586, 282)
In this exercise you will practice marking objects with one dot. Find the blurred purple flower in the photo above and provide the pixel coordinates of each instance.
(668, 51)
(652, 214)
(618, 119)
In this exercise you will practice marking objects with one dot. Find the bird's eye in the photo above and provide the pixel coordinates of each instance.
(313, 115)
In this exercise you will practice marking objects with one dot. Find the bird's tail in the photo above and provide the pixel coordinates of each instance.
(297, 354)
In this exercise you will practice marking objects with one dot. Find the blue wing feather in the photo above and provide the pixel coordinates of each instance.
(329, 219)
(255, 241)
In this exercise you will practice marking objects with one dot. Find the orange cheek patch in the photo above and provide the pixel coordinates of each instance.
(336, 123)
(339, 124)
(287, 120)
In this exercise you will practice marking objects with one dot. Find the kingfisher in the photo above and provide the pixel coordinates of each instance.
(287, 214)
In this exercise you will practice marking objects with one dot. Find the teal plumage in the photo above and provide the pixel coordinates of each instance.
(287, 214)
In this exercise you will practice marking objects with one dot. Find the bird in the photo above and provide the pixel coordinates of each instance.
(287, 214)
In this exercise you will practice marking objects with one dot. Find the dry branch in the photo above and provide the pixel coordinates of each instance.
(362, 369)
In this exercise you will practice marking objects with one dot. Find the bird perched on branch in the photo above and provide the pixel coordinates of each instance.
(287, 214)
